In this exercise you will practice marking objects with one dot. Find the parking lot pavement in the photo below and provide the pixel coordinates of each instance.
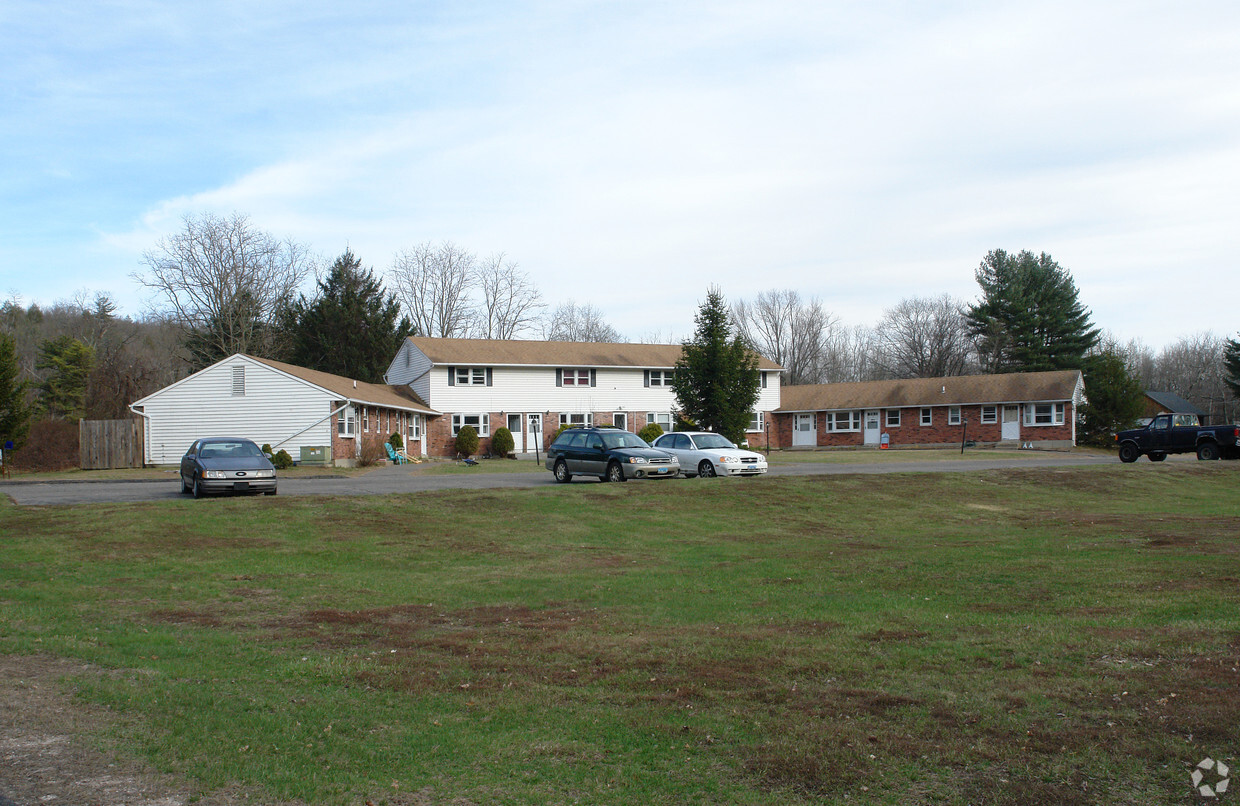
(394, 479)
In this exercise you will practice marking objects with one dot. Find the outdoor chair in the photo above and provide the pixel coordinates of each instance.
(397, 458)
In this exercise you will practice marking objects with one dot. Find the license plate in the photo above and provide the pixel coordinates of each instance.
(661, 470)
(752, 467)
(241, 485)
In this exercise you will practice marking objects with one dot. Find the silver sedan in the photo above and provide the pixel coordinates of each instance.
(707, 454)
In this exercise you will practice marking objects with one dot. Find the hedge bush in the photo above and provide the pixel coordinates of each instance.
(282, 460)
(501, 442)
(651, 432)
(467, 441)
(397, 442)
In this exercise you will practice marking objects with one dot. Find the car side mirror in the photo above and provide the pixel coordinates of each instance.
(269, 456)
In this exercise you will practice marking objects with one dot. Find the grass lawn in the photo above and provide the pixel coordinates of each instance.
(846, 456)
(1031, 635)
(447, 467)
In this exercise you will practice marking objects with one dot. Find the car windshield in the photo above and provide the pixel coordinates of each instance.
(230, 450)
(623, 439)
(705, 441)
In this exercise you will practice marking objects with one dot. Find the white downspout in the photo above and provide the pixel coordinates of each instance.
(146, 433)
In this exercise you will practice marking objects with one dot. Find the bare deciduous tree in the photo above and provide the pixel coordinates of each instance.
(223, 281)
(1193, 368)
(923, 337)
(573, 322)
(511, 303)
(434, 284)
(849, 356)
(789, 331)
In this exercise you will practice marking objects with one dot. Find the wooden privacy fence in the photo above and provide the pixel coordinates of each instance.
(110, 443)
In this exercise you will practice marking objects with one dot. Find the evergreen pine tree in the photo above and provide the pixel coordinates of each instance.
(14, 413)
(1029, 317)
(1231, 365)
(350, 328)
(69, 363)
(1113, 398)
(716, 378)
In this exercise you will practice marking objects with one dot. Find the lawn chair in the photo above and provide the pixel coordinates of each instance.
(396, 458)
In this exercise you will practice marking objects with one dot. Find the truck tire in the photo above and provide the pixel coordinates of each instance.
(1157, 457)
(1207, 452)
(1128, 453)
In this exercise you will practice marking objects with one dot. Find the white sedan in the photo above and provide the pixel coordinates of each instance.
(706, 454)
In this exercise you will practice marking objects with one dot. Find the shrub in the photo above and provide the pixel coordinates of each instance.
(51, 445)
(282, 460)
(467, 441)
(267, 448)
(501, 442)
(651, 432)
(397, 442)
(563, 427)
(372, 451)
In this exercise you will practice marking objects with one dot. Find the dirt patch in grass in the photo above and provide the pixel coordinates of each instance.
(53, 747)
(1196, 534)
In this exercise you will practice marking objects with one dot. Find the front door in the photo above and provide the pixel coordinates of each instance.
(620, 420)
(803, 430)
(518, 433)
(1011, 423)
(873, 429)
(534, 427)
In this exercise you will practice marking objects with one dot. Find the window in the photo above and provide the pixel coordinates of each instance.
(574, 377)
(893, 418)
(1044, 414)
(366, 420)
(659, 377)
(481, 423)
(569, 418)
(926, 417)
(763, 380)
(953, 415)
(755, 421)
(990, 415)
(346, 422)
(843, 421)
(469, 376)
(417, 426)
(238, 381)
(662, 418)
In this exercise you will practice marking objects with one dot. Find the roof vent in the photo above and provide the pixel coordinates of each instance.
(355, 384)
(944, 390)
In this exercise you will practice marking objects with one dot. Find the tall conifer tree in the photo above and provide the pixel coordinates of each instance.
(716, 379)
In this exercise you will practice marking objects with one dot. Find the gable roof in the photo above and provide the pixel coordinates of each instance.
(399, 397)
(1016, 387)
(513, 352)
(1173, 403)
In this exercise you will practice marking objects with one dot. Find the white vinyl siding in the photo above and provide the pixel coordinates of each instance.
(275, 407)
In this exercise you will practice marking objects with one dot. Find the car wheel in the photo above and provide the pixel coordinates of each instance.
(1207, 451)
(197, 488)
(561, 472)
(1128, 453)
(184, 486)
(706, 470)
(615, 472)
(1157, 457)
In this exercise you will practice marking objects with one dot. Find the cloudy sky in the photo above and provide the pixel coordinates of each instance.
(630, 154)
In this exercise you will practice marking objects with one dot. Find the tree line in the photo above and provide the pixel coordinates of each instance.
(220, 285)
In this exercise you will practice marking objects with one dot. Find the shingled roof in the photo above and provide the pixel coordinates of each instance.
(1016, 387)
(512, 352)
(398, 397)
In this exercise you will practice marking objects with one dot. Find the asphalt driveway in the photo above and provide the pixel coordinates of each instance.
(403, 479)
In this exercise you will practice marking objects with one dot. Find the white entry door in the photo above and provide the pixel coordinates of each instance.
(518, 433)
(533, 424)
(873, 428)
(1011, 423)
(803, 430)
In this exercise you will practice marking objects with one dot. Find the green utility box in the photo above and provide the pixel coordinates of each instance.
(316, 454)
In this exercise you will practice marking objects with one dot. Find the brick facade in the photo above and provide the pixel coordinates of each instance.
(372, 421)
(910, 431)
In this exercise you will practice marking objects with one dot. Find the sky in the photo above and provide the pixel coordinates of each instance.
(633, 154)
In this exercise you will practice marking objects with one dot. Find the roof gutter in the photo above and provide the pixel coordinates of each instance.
(146, 430)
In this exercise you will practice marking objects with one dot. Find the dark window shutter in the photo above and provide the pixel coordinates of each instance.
(488, 376)
(559, 377)
(594, 377)
(646, 377)
(764, 380)
(451, 376)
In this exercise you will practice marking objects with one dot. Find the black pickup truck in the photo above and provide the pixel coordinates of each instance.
(1179, 433)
